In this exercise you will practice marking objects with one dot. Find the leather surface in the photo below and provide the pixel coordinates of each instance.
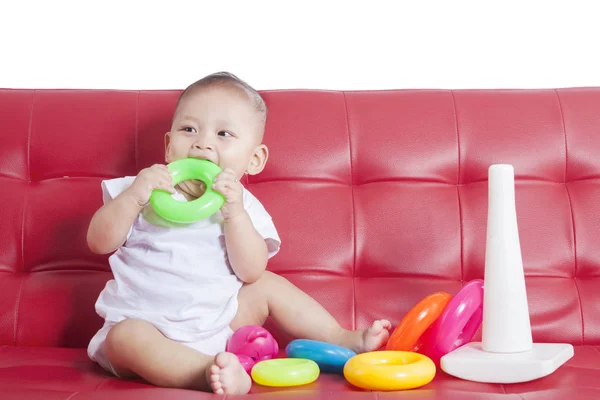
(63, 372)
(380, 199)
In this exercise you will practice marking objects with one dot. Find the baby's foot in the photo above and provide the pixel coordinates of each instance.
(375, 337)
(227, 376)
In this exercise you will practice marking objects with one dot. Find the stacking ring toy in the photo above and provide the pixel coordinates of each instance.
(389, 370)
(416, 322)
(247, 362)
(187, 212)
(329, 357)
(457, 324)
(285, 372)
(251, 344)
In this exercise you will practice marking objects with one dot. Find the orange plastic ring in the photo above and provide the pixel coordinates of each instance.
(416, 321)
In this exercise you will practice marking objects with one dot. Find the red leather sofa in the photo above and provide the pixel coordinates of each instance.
(380, 199)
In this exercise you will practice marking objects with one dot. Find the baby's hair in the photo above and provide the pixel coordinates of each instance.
(228, 78)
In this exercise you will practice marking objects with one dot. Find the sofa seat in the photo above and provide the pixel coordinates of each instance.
(60, 373)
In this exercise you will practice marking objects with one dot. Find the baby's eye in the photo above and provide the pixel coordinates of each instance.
(224, 133)
(189, 129)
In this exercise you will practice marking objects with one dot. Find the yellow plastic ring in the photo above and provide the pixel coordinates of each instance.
(281, 372)
(389, 370)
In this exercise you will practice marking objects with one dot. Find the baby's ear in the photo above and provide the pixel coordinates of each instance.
(258, 160)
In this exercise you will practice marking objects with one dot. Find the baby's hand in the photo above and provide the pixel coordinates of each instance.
(155, 177)
(227, 184)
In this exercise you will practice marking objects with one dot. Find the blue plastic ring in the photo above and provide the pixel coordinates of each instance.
(329, 357)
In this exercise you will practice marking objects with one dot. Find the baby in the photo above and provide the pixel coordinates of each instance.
(179, 291)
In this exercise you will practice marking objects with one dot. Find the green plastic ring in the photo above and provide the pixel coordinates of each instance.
(187, 212)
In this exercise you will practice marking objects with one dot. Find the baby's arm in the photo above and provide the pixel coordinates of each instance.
(246, 249)
(110, 225)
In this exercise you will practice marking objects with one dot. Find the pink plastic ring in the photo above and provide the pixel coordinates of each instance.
(252, 344)
(458, 323)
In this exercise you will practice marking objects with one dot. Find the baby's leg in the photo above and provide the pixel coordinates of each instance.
(135, 348)
(301, 316)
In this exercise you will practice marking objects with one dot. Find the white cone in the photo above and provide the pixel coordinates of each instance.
(507, 327)
(507, 353)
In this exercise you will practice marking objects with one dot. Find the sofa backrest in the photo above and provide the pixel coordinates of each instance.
(380, 198)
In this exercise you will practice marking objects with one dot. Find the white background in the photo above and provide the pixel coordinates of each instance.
(304, 44)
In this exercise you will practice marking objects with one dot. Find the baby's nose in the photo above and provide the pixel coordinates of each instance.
(203, 144)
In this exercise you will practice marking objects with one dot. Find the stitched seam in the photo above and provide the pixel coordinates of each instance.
(573, 228)
(460, 222)
(353, 214)
(353, 303)
(29, 137)
(580, 311)
(593, 367)
(562, 117)
(25, 201)
(137, 108)
(104, 380)
(17, 305)
(27, 187)
(18, 302)
(575, 263)
(457, 136)
(460, 217)
(522, 179)
(23, 229)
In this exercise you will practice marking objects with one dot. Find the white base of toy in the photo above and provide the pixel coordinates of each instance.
(507, 353)
(472, 363)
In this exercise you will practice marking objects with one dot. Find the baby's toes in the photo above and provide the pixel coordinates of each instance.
(217, 387)
(214, 379)
(376, 328)
(386, 324)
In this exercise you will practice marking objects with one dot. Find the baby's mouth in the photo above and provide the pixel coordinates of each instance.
(205, 159)
(197, 184)
(192, 189)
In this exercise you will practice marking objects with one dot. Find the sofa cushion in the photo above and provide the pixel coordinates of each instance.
(380, 198)
(58, 372)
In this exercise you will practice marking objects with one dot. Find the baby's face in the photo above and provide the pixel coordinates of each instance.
(218, 123)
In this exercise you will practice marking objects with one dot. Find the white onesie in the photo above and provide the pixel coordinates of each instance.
(176, 277)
